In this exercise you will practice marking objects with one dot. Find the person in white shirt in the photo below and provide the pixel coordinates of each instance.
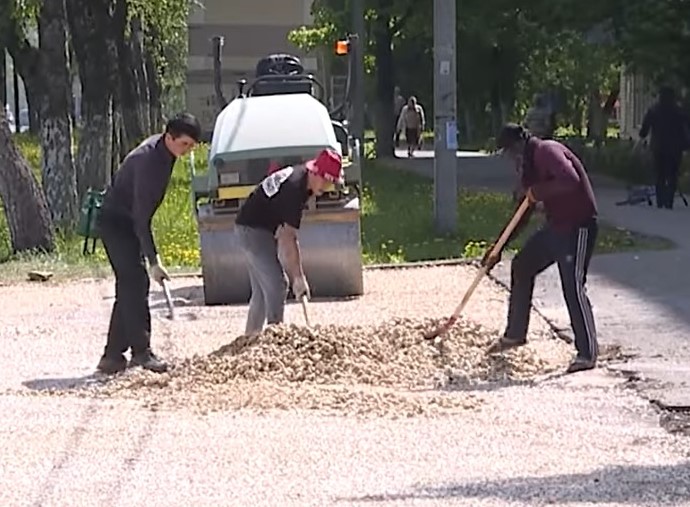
(413, 122)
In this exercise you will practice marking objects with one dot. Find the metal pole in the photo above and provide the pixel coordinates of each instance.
(445, 122)
(358, 99)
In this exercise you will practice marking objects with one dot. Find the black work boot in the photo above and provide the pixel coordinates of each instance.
(505, 343)
(581, 364)
(112, 364)
(149, 361)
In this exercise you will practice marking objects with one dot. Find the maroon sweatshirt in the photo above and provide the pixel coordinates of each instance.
(559, 180)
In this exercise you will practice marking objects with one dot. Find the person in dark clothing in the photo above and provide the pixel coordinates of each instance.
(124, 225)
(670, 135)
(553, 176)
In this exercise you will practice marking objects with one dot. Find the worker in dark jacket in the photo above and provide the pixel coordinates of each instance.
(124, 225)
(670, 129)
(555, 177)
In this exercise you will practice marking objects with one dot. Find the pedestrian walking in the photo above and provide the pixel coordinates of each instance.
(413, 121)
(554, 176)
(670, 137)
(268, 223)
(124, 225)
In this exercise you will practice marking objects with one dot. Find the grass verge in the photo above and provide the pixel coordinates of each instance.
(397, 225)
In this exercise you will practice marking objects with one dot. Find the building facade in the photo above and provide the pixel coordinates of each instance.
(252, 29)
(636, 96)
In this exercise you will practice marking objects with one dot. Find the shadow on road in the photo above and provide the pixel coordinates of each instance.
(631, 485)
(66, 383)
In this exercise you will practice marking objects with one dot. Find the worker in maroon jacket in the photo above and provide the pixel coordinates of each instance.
(555, 177)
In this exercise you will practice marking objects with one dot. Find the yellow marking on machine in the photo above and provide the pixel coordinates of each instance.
(243, 192)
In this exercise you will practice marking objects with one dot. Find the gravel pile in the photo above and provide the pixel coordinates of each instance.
(384, 369)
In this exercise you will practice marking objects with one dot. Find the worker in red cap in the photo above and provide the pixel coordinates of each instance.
(267, 222)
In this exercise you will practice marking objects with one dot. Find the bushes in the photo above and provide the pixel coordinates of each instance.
(616, 159)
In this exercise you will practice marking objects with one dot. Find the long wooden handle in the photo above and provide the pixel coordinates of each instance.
(495, 249)
(510, 227)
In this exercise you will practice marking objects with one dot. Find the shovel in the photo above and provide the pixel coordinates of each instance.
(303, 300)
(495, 249)
(168, 299)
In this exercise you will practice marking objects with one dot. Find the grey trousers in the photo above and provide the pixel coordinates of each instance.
(268, 282)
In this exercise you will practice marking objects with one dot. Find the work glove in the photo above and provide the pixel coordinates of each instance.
(157, 272)
(489, 261)
(300, 287)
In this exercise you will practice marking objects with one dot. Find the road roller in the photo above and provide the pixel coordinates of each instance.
(279, 119)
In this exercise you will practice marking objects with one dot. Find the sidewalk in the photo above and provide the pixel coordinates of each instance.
(641, 299)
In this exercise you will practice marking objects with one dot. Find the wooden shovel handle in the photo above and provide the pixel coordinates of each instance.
(495, 249)
(510, 227)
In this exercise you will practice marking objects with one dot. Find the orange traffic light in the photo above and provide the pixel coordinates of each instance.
(342, 47)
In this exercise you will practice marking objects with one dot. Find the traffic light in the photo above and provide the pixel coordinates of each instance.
(342, 47)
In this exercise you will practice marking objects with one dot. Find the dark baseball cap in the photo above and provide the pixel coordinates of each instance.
(510, 134)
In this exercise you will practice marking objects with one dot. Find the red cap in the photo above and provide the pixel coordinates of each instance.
(328, 164)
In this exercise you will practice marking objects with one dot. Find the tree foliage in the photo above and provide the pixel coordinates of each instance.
(165, 27)
(508, 50)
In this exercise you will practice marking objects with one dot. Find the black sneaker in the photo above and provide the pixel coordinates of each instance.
(112, 364)
(149, 361)
(505, 343)
(581, 364)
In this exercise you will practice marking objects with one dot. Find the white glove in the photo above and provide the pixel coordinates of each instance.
(157, 272)
(300, 287)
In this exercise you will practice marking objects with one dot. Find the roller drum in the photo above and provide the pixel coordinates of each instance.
(330, 243)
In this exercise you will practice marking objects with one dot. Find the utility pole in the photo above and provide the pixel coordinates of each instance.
(445, 118)
(358, 99)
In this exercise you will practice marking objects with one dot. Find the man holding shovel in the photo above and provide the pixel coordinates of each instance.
(268, 222)
(124, 225)
(554, 176)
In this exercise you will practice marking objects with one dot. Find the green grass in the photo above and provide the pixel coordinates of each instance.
(397, 226)
(397, 222)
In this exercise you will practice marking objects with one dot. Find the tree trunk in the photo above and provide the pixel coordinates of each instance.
(117, 152)
(93, 36)
(33, 104)
(59, 176)
(136, 44)
(599, 115)
(385, 128)
(153, 80)
(25, 59)
(3, 77)
(25, 207)
(73, 77)
(129, 100)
